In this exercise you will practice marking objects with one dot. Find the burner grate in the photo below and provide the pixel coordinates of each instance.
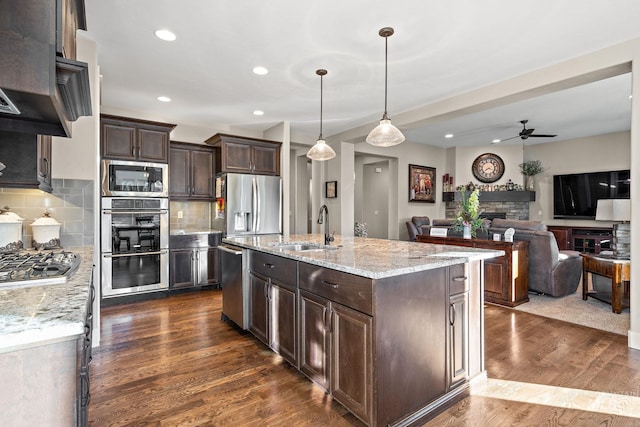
(33, 266)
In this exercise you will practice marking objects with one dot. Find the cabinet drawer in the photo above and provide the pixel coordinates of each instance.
(347, 289)
(275, 267)
(458, 279)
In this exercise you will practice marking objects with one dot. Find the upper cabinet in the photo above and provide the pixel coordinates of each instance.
(27, 160)
(191, 171)
(123, 138)
(43, 88)
(246, 155)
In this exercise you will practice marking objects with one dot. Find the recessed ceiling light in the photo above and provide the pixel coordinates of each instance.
(495, 141)
(164, 99)
(258, 113)
(165, 35)
(261, 71)
(449, 135)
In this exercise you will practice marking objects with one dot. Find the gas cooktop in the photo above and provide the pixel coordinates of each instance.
(34, 268)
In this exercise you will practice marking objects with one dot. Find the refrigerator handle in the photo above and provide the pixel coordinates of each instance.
(256, 204)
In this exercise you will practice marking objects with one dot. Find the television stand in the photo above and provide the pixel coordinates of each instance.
(582, 239)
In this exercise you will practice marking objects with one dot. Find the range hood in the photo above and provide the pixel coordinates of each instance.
(42, 90)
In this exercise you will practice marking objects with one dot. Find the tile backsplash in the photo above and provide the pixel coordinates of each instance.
(195, 215)
(71, 203)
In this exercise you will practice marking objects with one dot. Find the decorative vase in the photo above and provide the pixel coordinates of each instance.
(466, 232)
(529, 183)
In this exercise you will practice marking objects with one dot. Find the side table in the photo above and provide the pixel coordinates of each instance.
(618, 270)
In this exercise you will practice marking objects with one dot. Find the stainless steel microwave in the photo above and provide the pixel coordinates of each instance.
(134, 179)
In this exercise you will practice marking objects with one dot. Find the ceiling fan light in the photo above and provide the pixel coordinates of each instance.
(385, 134)
(321, 151)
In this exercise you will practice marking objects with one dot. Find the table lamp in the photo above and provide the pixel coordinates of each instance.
(617, 210)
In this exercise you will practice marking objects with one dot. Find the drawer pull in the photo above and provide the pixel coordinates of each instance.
(460, 279)
(333, 285)
(267, 265)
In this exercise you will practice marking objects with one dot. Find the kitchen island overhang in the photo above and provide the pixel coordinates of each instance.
(399, 325)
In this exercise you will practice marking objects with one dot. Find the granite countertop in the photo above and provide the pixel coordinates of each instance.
(181, 231)
(367, 257)
(37, 315)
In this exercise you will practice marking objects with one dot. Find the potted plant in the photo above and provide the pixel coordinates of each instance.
(468, 218)
(530, 169)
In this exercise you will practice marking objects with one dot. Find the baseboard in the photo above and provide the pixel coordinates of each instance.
(634, 339)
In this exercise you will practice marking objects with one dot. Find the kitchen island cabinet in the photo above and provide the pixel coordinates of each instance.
(392, 330)
(273, 302)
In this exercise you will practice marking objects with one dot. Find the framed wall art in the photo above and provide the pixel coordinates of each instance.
(331, 189)
(422, 184)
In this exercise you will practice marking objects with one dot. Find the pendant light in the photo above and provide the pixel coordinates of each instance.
(321, 150)
(385, 134)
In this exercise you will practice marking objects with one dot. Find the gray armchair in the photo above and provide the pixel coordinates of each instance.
(551, 271)
(416, 226)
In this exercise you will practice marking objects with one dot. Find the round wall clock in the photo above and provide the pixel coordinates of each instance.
(488, 167)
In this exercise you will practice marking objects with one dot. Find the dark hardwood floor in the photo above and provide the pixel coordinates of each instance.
(173, 362)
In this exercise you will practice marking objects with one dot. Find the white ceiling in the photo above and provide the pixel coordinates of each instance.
(440, 49)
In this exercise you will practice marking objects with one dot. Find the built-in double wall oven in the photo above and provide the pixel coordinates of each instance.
(134, 228)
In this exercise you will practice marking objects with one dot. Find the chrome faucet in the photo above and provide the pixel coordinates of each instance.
(323, 217)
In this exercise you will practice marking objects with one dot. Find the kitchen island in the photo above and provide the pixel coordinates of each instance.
(392, 330)
(45, 349)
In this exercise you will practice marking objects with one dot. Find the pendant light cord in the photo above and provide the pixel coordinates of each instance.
(321, 91)
(386, 54)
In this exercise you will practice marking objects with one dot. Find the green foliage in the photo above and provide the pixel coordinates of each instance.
(532, 167)
(468, 213)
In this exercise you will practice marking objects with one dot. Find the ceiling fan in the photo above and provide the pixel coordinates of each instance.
(528, 133)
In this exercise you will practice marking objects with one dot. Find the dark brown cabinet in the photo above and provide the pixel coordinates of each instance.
(136, 140)
(336, 340)
(27, 159)
(458, 351)
(273, 302)
(193, 267)
(191, 172)
(194, 260)
(506, 277)
(246, 155)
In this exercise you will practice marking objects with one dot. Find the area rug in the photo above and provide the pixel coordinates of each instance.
(571, 308)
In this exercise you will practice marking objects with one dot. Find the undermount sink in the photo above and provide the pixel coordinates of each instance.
(304, 247)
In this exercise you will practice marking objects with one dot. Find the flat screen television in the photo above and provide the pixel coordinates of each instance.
(575, 196)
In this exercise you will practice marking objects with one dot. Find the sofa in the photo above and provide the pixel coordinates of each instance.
(417, 225)
(551, 271)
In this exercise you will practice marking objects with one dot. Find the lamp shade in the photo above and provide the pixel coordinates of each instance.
(385, 134)
(613, 210)
(321, 151)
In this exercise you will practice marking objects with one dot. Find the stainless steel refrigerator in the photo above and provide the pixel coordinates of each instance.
(251, 204)
(246, 205)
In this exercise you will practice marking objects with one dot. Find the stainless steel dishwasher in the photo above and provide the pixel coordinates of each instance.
(233, 292)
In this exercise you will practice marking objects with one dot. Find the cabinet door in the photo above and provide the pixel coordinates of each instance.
(153, 145)
(284, 318)
(44, 162)
(202, 175)
(181, 274)
(118, 141)
(237, 157)
(18, 152)
(352, 365)
(258, 308)
(314, 338)
(266, 160)
(458, 332)
(179, 172)
(207, 266)
(496, 279)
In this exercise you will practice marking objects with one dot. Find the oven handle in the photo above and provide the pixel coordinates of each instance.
(160, 252)
(112, 212)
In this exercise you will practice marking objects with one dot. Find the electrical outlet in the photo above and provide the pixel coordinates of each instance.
(179, 214)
